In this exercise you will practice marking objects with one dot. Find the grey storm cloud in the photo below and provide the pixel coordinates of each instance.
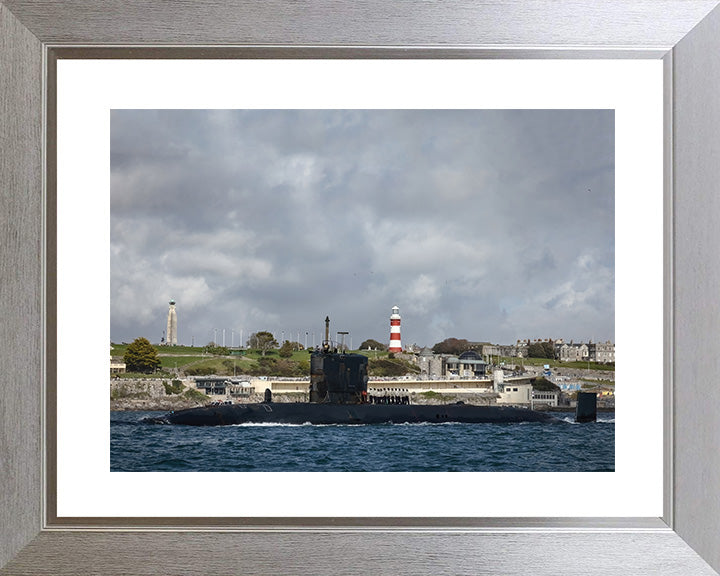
(490, 225)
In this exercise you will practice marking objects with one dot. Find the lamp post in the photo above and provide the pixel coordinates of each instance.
(342, 344)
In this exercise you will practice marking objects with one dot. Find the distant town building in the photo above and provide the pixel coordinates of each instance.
(171, 333)
(521, 347)
(603, 352)
(440, 365)
(573, 352)
(489, 349)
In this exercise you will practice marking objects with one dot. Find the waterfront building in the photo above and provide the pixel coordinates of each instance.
(117, 366)
(223, 386)
(518, 393)
(547, 397)
(171, 333)
(468, 365)
(395, 344)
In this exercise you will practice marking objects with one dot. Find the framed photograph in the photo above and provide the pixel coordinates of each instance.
(61, 516)
(312, 168)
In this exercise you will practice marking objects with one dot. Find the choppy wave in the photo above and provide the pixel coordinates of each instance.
(571, 420)
(344, 425)
(136, 445)
(267, 425)
(155, 420)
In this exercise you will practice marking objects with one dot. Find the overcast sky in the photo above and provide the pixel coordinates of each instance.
(479, 224)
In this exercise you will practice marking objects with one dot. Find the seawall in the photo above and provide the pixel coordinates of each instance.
(156, 394)
(151, 394)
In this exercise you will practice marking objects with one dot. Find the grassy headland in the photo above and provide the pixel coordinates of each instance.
(200, 361)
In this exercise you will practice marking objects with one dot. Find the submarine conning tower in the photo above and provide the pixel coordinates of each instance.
(337, 377)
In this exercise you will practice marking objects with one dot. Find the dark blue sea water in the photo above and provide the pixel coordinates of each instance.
(137, 446)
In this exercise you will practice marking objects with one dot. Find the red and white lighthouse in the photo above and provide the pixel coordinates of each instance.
(395, 345)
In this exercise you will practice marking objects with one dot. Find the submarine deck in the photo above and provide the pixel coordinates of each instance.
(310, 413)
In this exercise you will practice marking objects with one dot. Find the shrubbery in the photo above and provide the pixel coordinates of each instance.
(390, 367)
(543, 384)
(216, 350)
(283, 367)
(199, 371)
(192, 394)
(174, 388)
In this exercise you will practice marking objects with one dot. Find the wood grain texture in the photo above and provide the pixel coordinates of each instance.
(20, 285)
(130, 554)
(697, 292)
(375, 22)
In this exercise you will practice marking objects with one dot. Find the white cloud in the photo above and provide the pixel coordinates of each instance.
(478, 224)
(422, 294)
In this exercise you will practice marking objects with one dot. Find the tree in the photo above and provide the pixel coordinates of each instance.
(541, 350)
(372, 345)
(286, 350)
(549, 349)
(141, 356)
(262, 341)
(451, 346)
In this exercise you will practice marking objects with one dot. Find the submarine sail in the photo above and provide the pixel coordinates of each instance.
(337, 377)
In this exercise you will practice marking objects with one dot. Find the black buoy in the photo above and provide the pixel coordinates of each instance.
(268, 396)
(586, 409)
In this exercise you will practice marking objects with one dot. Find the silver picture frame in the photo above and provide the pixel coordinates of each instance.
(685, 34)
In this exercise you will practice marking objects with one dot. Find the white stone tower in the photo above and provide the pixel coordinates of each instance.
(171, 339)
(395, 345)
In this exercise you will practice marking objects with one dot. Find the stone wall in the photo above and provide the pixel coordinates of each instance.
(150, 394)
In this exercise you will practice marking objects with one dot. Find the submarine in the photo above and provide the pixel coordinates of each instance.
(338, 395)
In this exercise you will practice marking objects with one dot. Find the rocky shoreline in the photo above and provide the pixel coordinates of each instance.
(152, 395)
(165, 395)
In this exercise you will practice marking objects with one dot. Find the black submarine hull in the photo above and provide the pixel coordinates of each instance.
(311, 413)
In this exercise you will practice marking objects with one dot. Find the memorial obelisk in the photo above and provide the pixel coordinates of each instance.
(171, 339)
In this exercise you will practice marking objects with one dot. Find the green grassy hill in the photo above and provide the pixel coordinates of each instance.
(197, 361)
